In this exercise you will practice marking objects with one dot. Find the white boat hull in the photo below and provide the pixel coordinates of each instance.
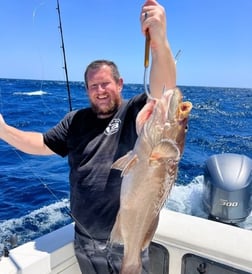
(223, 247)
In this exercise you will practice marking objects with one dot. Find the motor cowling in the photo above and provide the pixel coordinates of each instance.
(227, 194)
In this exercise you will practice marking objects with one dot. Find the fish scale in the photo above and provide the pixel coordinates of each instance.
(149, 171)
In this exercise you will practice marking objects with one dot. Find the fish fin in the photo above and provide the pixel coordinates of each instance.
(166, 149)
(125, 163)
(115, 235)
(144, 115)
(150, 233)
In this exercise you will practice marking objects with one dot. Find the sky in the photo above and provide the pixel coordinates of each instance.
(214, 37)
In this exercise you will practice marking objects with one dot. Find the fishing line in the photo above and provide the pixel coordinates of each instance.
(31, 170)
(70, 106)
(66, 208)
(38, 49)
(37, 45)
(2, 111)
(23, 160)
(1, 101)
(177, 56)
(146, 64)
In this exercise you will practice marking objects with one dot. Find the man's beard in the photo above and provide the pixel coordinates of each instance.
(107, 111)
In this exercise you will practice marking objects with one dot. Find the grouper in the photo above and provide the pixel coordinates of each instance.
(149, 172)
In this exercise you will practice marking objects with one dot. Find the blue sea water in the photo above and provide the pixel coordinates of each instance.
(34, 193)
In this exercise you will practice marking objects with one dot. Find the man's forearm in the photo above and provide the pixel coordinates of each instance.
(163, 70)
(26, 141)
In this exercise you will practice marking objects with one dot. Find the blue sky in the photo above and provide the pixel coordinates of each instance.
(214, 36)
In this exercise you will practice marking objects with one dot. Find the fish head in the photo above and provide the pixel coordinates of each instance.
(176, 113)
(165, 120)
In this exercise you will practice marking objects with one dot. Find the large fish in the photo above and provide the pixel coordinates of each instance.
(149, 171)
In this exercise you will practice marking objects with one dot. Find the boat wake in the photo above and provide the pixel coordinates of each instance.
(188, 199)
(36, 223)
(185, 199)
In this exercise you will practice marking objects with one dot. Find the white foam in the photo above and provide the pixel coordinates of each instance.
(36, 223)
(31, 93)
(188, 199)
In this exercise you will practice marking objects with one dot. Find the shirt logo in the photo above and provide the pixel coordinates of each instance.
(113, 127)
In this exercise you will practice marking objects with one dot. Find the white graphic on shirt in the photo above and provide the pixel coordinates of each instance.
(113, 127)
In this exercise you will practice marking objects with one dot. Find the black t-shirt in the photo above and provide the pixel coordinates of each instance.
(92, 145)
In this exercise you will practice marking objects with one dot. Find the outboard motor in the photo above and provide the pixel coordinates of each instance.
(227, 191)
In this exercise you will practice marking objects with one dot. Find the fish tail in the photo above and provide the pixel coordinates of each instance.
(115, 235)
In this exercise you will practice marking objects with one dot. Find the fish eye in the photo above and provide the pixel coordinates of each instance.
(186, 128)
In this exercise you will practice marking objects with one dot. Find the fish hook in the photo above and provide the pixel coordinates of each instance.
(146, 61)
(177, 56)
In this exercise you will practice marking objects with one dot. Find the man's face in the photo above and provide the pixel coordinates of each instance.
(103, 91)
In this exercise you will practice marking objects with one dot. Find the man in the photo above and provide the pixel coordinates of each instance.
(93, 138)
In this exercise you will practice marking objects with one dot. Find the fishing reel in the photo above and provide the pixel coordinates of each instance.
(227, 194)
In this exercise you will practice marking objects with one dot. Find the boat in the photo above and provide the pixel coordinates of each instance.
(188, 245)
(182, 244)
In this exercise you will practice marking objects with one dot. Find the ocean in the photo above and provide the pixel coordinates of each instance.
(34, 193)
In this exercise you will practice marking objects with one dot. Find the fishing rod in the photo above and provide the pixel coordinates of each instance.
(64, 56)
(147, 57)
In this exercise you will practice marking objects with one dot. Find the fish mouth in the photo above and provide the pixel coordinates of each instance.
(176, 109)
(160, 115)
(168, 119)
